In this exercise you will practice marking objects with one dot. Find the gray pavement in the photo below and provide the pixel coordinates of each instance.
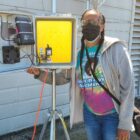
(77, 133)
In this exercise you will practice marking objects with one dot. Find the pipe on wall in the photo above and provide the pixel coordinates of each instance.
(88, 4)
(53, 6)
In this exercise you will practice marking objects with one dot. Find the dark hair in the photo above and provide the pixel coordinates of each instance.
(101, 16)
(102, 20)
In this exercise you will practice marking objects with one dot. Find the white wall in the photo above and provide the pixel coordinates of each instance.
(19, 92)
(118, 14)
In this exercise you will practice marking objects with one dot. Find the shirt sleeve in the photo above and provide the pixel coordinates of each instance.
(126, 79)
(62, 77)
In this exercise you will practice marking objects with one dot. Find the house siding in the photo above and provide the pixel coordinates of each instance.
(19, 91)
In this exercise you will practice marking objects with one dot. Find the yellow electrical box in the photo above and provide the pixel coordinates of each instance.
(55, 41)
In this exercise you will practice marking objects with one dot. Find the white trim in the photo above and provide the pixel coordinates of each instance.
(131, 26)
(134, 48)
(23, 13)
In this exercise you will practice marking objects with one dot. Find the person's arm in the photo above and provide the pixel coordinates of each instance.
(62, 77)
(126, 79)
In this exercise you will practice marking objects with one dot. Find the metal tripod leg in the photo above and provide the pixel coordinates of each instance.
(52, 115)
(45, 126)
(64, 125)
(52, 132)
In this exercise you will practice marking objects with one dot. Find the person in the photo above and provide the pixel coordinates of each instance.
(104, 119)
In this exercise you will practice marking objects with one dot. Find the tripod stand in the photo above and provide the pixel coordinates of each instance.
(53, 113)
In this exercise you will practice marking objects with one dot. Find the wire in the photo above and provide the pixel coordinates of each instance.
(29, 56)
(39, 105)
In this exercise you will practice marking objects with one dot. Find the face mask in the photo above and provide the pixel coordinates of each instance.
(91, 32)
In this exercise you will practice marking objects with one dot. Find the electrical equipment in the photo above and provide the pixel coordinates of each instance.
(24, 30)
(11, 55)
(11, 31)
(55, 42)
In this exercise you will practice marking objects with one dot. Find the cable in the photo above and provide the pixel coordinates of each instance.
(28, 56)
(39, 105)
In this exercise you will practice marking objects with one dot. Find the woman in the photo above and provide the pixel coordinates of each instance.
(104, 119)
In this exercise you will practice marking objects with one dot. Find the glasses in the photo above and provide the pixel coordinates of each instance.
(85, 22)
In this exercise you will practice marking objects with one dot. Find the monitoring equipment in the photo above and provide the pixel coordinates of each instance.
(11, 54)
(24, 31)
(55, 45)
(55, 48)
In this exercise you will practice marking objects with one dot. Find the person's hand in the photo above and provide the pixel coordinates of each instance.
(123, 134)
(34, 71)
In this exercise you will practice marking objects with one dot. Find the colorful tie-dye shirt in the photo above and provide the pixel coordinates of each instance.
(95, 97)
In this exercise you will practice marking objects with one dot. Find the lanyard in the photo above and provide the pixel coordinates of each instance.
(95, 77)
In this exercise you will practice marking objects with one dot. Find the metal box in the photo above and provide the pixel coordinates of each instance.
(55, 42)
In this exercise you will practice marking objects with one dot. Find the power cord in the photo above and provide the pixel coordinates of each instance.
(39, 105)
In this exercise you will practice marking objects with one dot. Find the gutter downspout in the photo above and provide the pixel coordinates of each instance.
(54, 7)
(88, 4)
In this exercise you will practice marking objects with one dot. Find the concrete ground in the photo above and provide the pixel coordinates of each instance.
(77, 133)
